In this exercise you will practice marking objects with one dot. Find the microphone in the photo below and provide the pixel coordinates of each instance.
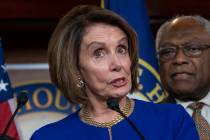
(114, 105)
(21, 101)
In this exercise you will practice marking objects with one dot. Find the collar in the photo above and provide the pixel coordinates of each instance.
(205, 100)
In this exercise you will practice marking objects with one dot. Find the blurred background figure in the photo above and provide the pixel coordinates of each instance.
(183, 46)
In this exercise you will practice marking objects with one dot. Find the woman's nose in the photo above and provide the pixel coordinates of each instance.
(115, 64)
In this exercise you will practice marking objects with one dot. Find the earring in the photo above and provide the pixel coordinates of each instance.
(80, 83)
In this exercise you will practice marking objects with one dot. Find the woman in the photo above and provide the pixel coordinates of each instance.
(93, 57)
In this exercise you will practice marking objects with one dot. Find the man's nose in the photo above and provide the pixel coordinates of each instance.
(180, 57)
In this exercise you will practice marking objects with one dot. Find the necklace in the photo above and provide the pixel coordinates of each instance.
(85, 115)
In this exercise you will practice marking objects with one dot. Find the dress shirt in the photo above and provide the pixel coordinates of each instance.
(205, 112)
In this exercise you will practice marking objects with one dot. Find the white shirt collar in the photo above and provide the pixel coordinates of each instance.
(205, 100)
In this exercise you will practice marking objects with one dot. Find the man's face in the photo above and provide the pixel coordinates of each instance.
(186, 77)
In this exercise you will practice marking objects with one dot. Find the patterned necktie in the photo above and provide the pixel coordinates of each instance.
(201, 124)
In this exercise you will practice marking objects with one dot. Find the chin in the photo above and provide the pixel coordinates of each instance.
(187, 98)
(182, 87)
(184, 94)
(184, 84)
(120, 92)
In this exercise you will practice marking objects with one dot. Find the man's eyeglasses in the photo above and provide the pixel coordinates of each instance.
(169, 51)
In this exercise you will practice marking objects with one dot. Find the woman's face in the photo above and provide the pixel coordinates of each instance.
(104, 62)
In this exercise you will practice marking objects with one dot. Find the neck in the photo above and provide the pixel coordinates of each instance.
(99, 111)
(106, 118)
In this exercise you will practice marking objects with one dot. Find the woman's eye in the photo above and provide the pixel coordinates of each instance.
(99, 53)
(122, 49)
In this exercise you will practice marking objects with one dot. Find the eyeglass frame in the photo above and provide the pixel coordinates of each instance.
(185, 50)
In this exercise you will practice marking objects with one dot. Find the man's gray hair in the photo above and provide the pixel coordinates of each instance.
(202, 21)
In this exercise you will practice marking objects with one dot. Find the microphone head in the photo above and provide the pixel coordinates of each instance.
(22, 99)
(112, 104)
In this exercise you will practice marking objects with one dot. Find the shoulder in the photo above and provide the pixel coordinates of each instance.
(170, 117)
(159, 106)
(51, 130)
(166, 110)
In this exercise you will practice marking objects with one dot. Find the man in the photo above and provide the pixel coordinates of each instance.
(183, 47)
